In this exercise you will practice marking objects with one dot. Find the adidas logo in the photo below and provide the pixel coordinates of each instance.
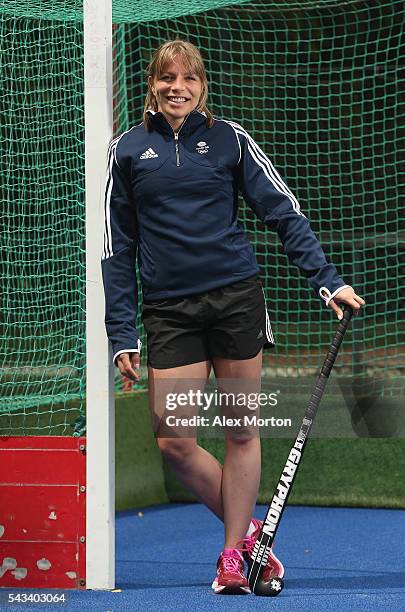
(149, 154)
(260, 334)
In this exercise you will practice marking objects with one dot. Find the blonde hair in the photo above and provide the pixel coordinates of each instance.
(192, 60)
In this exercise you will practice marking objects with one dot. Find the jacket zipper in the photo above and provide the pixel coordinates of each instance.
(176, 138)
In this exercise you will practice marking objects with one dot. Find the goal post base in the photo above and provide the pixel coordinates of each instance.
(43, 512)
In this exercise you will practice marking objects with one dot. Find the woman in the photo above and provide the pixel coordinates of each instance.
(171, 200)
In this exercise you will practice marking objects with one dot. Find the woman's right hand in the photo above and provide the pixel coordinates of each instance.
(127, 363)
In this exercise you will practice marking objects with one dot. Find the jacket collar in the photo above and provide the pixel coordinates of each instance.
(191, 122)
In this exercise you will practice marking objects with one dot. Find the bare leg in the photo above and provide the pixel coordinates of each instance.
(195, 467)
(241, 471)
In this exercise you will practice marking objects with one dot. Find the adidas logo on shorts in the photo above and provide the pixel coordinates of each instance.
(149, 154)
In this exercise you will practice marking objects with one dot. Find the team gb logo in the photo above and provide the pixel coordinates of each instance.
(202, 147)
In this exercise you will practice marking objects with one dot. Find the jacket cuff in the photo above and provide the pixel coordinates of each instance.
(326, 295)
(128, 350)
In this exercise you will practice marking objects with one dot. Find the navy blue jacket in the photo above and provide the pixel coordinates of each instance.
(171, 200)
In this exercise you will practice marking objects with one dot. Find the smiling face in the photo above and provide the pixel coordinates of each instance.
(177, 91)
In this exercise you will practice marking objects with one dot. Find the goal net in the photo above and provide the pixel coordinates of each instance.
(315, 82)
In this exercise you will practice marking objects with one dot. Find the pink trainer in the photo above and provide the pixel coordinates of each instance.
(230, 578)
(274, 566)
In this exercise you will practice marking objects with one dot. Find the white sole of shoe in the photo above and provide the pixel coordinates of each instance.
(229, 590)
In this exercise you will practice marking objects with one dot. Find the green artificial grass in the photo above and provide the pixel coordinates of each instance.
(347, 472)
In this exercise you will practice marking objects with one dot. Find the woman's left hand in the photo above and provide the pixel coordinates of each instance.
(349, 297)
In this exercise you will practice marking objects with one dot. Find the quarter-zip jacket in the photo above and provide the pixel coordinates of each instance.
(171, 201)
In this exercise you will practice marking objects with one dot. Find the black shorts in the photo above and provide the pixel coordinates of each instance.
(230, 322)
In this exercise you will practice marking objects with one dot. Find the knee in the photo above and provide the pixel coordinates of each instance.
(176, 450)
(245, 439)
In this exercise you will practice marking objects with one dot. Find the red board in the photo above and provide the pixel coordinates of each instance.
(42, 512)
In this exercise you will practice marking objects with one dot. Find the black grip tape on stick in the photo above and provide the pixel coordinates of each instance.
(284, 486)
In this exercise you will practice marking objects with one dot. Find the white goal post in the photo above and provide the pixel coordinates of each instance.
(100, 412)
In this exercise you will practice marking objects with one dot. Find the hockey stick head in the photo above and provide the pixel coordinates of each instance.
(268, 588)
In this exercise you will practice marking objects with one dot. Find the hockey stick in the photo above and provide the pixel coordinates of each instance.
(283, 489)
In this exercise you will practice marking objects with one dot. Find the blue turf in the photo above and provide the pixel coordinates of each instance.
(336, 559)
